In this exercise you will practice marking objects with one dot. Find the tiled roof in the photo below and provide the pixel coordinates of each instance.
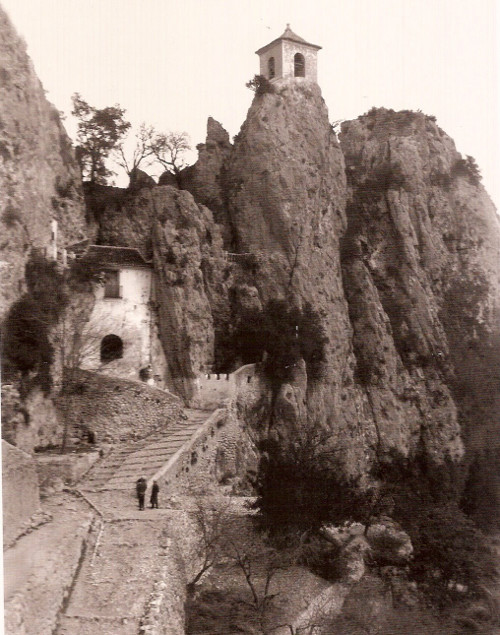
(107, 255)
(289, 35)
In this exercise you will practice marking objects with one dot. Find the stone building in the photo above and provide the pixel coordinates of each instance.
(289, 56)
(121, 337)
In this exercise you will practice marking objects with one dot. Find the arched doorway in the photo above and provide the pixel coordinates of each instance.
(299, 65)
(271, 68)
(111, 348)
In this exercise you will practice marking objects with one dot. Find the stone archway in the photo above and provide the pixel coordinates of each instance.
(111, 348)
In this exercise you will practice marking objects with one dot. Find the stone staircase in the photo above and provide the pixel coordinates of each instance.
(123, 466)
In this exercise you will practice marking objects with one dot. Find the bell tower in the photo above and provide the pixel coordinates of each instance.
(289, 56)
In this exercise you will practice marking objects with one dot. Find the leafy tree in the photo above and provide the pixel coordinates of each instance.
(100, 130)
(26, 343)
(170, 150)
(303, 485)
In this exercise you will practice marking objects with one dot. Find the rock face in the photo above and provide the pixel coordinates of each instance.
(39, 178)
(420, 268)
(286, 193)
(399, 260)
(400, 263)
(204, 178)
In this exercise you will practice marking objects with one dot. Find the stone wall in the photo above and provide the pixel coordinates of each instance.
(19, 490)
(56, 470)
(117, 409)
(310, 56)
(213, 390)
(220, 451)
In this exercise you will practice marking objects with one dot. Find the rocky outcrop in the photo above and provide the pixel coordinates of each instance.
(420, 268)
(286, 192)
(189, 263)
(39, 178)
(205, 178)
(399, 262)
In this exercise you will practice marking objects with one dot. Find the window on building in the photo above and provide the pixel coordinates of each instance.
(111, 348)
(112, 285)
(270, 68)
(299, 65)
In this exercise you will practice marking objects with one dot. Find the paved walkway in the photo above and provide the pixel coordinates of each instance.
(126, 553)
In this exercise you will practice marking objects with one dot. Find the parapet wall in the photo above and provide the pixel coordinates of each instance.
(20, 491)
(117, 409)
(219, 389)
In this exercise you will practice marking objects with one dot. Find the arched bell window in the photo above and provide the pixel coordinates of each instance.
(111, 348)
(299, 65)
(271, 70)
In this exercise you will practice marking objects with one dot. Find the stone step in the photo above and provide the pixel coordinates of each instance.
(121, 468)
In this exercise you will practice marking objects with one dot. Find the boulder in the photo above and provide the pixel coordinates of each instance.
(389, 543)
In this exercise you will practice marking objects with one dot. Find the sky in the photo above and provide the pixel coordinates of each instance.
(174, 63)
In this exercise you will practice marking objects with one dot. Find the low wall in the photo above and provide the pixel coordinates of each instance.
(20, 491)
(212, 391)
(193, 465)
(56, 471)
(117, 409)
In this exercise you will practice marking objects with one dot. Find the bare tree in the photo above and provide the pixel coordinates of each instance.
(260, 562)
(142, 151)
(212, 524)
(170, 149)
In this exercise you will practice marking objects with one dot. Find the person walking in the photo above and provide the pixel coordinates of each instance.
(140, 488)
(154, 495)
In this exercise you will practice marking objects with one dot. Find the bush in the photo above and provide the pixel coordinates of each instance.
(468, 168)
(26, 343)
(260, 85)
(303, 485)
(449, 550)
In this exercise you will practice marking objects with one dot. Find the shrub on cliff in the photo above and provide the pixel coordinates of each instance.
(26, 343)
(451, 555)
(260, 85)
(467, 167)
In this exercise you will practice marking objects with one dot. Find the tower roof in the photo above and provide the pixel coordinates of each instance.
(289, 35)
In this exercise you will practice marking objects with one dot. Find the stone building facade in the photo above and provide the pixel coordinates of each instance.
(289, 56)
(121, 337)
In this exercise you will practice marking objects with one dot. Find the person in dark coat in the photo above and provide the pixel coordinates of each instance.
(140, 488)
(154, 495)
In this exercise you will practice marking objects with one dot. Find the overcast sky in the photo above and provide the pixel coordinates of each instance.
(172, 64)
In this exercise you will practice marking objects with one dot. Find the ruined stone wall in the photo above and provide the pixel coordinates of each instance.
(19, 490)
(117, 409)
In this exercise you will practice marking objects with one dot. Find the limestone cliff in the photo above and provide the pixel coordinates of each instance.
(421, 251)
(389, 237)
(401, 263)
(286, 192)
(39, 178)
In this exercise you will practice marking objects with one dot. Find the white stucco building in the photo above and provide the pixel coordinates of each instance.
(121, 336)
(289, 56)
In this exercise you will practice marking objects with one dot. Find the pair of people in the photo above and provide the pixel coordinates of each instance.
(141, 486)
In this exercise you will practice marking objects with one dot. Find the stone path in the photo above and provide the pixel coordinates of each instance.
(122, 467)
(127, 550)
